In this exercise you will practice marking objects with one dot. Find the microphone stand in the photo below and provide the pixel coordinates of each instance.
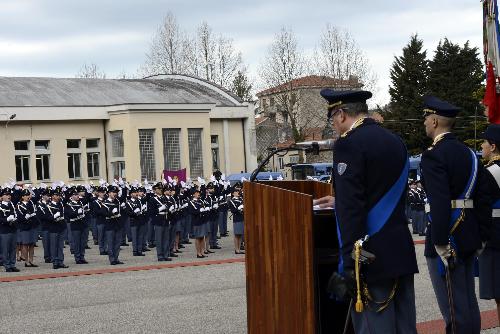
(270, 155)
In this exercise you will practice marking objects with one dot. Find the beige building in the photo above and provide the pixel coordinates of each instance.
(79, 130)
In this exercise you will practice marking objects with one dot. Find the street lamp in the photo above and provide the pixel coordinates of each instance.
(10, 118)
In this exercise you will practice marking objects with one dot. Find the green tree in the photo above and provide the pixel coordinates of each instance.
(409, 75)
(241, 87)
(456, 75)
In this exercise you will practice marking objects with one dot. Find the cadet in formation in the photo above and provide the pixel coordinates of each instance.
(489, 260)
(459, 214)
(236, 207)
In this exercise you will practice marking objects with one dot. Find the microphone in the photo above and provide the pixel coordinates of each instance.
(316, 146)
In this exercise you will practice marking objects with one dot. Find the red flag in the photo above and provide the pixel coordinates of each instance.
(491, 100)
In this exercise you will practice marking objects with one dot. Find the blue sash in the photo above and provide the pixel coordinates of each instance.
(496, 205)
(380, 213)
(455, 213)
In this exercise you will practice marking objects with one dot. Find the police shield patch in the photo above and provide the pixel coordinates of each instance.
(341, 167)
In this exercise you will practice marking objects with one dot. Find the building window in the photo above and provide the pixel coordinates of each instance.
(42, 167)
(294, 159)
(21, 145)
(281, 162)
(118, 169)
(195, 153)
(22, 167)
(93, 164)
(116, 144)
(73, 143)
(22, 160)
(92, 143)
(214, 140)
(42, 144)
(74, 169)
(147, 153)
(171, 149)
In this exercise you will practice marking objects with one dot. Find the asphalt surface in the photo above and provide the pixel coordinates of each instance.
(207, 299)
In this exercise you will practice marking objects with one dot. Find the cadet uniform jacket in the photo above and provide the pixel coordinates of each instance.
(234, 204)
(26, 215)
(7, 209)
(446, 168)
(136, 211)
(494, 192)
(368, 161)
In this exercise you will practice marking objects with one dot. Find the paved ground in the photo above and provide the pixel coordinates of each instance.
(209, 299)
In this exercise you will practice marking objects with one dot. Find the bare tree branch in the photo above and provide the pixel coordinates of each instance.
(90, 71)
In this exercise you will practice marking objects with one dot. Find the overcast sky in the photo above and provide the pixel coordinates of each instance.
(54, 38)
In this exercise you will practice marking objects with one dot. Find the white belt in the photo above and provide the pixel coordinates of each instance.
(113, 217)
(456, 204)
(162, 213)
(495, 213)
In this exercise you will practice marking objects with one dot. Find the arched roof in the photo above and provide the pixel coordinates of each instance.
(161, 89)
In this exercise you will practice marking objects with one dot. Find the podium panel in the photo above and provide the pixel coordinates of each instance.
(279, 260)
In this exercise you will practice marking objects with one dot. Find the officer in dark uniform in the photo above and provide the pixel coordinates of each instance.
(84, 198)
(370, 179)
(44, 217)
(74, 213)
(211, 202)
(157, 209)
(143, 196)
(26, 221)
(113, 225)
(137, 214)
(8, 231)
(236, 207)
(196, 209)
(489, 260)
(99, 212)
(459, 217)
(56, 227)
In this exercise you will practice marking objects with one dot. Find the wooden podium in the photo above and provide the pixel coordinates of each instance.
(291, 251)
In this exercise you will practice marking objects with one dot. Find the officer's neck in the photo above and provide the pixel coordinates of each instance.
(440, 132)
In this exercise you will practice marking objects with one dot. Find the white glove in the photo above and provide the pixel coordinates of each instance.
(57, 215)
(122, 205)
(144, 207)
(80, 211)
(480, 250)
(162, 208)
(115, 210)
(33, 214)
(137, 210)
(240, 207)
(171, 209)
(185, 205)
(11, 218)
(216, 206)
(28, 216)
(203, 209)
(444, 253)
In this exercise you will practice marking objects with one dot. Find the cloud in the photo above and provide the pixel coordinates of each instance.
(54, 38)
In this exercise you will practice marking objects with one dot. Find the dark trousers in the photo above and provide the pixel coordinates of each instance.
(162, 239)
(400, 315)
(213, 227)
(137, 237)
(56, 241)
(467, 316)
(79, 243)
(101, 238)
(9, 242)
(151, 235)
(187, 228)
(113, 241)
(93, 228)
(46, 244)
(171, 235)
(223, 222)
